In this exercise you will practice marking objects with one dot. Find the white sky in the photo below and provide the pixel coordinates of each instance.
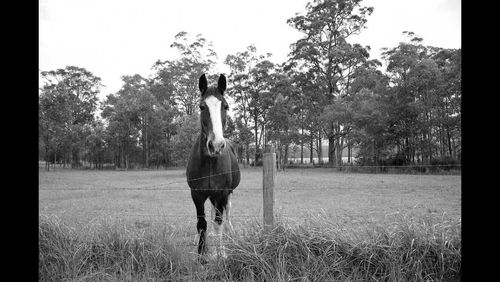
(112, 38)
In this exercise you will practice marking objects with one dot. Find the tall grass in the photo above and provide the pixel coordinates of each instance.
(409, 249)
(405, 249)
(108, 251)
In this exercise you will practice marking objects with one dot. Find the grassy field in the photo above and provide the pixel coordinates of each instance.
(351, 209)
(80, 194)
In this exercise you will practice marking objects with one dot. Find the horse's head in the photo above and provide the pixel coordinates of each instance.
(213, 109)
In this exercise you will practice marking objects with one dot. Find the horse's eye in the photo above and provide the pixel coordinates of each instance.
(202, 107)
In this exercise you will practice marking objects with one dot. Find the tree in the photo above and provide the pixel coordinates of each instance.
(197, 58)
(310, 103)
(325, 51)
(122, 111)
(74, 91)
(282, 115)
(250, 81)
(96, 146)
(240, 65)
(449, 100)
(370, 127)
(188, 129)
(244, 137)
(260, 85)
(366, 77)
(51, 122)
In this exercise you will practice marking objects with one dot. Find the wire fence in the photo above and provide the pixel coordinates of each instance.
(188, 217)
(162, 186)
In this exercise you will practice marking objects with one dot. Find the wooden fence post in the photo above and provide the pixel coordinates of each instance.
(269, 173)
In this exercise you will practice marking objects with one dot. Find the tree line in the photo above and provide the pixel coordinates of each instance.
(405, 109)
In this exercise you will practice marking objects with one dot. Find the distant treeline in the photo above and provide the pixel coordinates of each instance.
(405, 111)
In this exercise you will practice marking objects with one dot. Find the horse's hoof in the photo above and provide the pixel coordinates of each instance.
(217, 254)
(202, 259)
(221, 253)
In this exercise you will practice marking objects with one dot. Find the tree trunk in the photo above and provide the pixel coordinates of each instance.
(373, 153)
(340, 149)
(122, 156)
(279, 156)
(55, 159)
(286, 156)
(348, 152)
(247, 154)
(263, 137)
(256, 141)
(301, 138)
(320, 148)
(331, 151)
(449, 141)
(71, 154)
(311, 160)
(302, 145)
(147, 142)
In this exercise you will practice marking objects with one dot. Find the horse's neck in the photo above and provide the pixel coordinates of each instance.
(202, 140)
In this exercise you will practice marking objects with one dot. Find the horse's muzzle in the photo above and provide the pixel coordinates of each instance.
(215, 147)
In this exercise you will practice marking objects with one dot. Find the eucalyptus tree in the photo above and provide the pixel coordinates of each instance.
(261, 82)
(129, 113)
(250, 84)
(370, 119)
(325, 51)
(283, 115)
(368, 110)
(161, 123)
(187, 131)
(197, 57)
(240, 65)
(449, 101)
(69, 96)
(309, 105)
(96, 145)
(425, 82)
(52, 115)
(413, 77)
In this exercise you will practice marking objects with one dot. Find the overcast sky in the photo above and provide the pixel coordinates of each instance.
(112, 38)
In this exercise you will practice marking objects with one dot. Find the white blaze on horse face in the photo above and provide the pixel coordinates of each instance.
(216, 135)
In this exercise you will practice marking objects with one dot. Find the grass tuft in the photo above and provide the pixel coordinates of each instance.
(404, 249)
(106, 252)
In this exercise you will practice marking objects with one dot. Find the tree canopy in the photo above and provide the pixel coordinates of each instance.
(402, 109)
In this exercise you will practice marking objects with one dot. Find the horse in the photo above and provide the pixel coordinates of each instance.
(212, 171)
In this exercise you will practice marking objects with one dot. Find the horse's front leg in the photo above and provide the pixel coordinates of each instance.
(201, 225)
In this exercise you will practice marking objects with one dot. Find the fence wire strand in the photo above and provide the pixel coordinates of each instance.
(161, 187)
(185, 217)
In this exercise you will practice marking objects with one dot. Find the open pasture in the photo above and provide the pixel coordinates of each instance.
(140, 225)
(143, 197)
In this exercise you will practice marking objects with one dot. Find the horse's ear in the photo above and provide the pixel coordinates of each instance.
(221, 84)
(203, 84)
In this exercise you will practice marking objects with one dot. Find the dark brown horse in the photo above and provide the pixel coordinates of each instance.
(212, 170)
